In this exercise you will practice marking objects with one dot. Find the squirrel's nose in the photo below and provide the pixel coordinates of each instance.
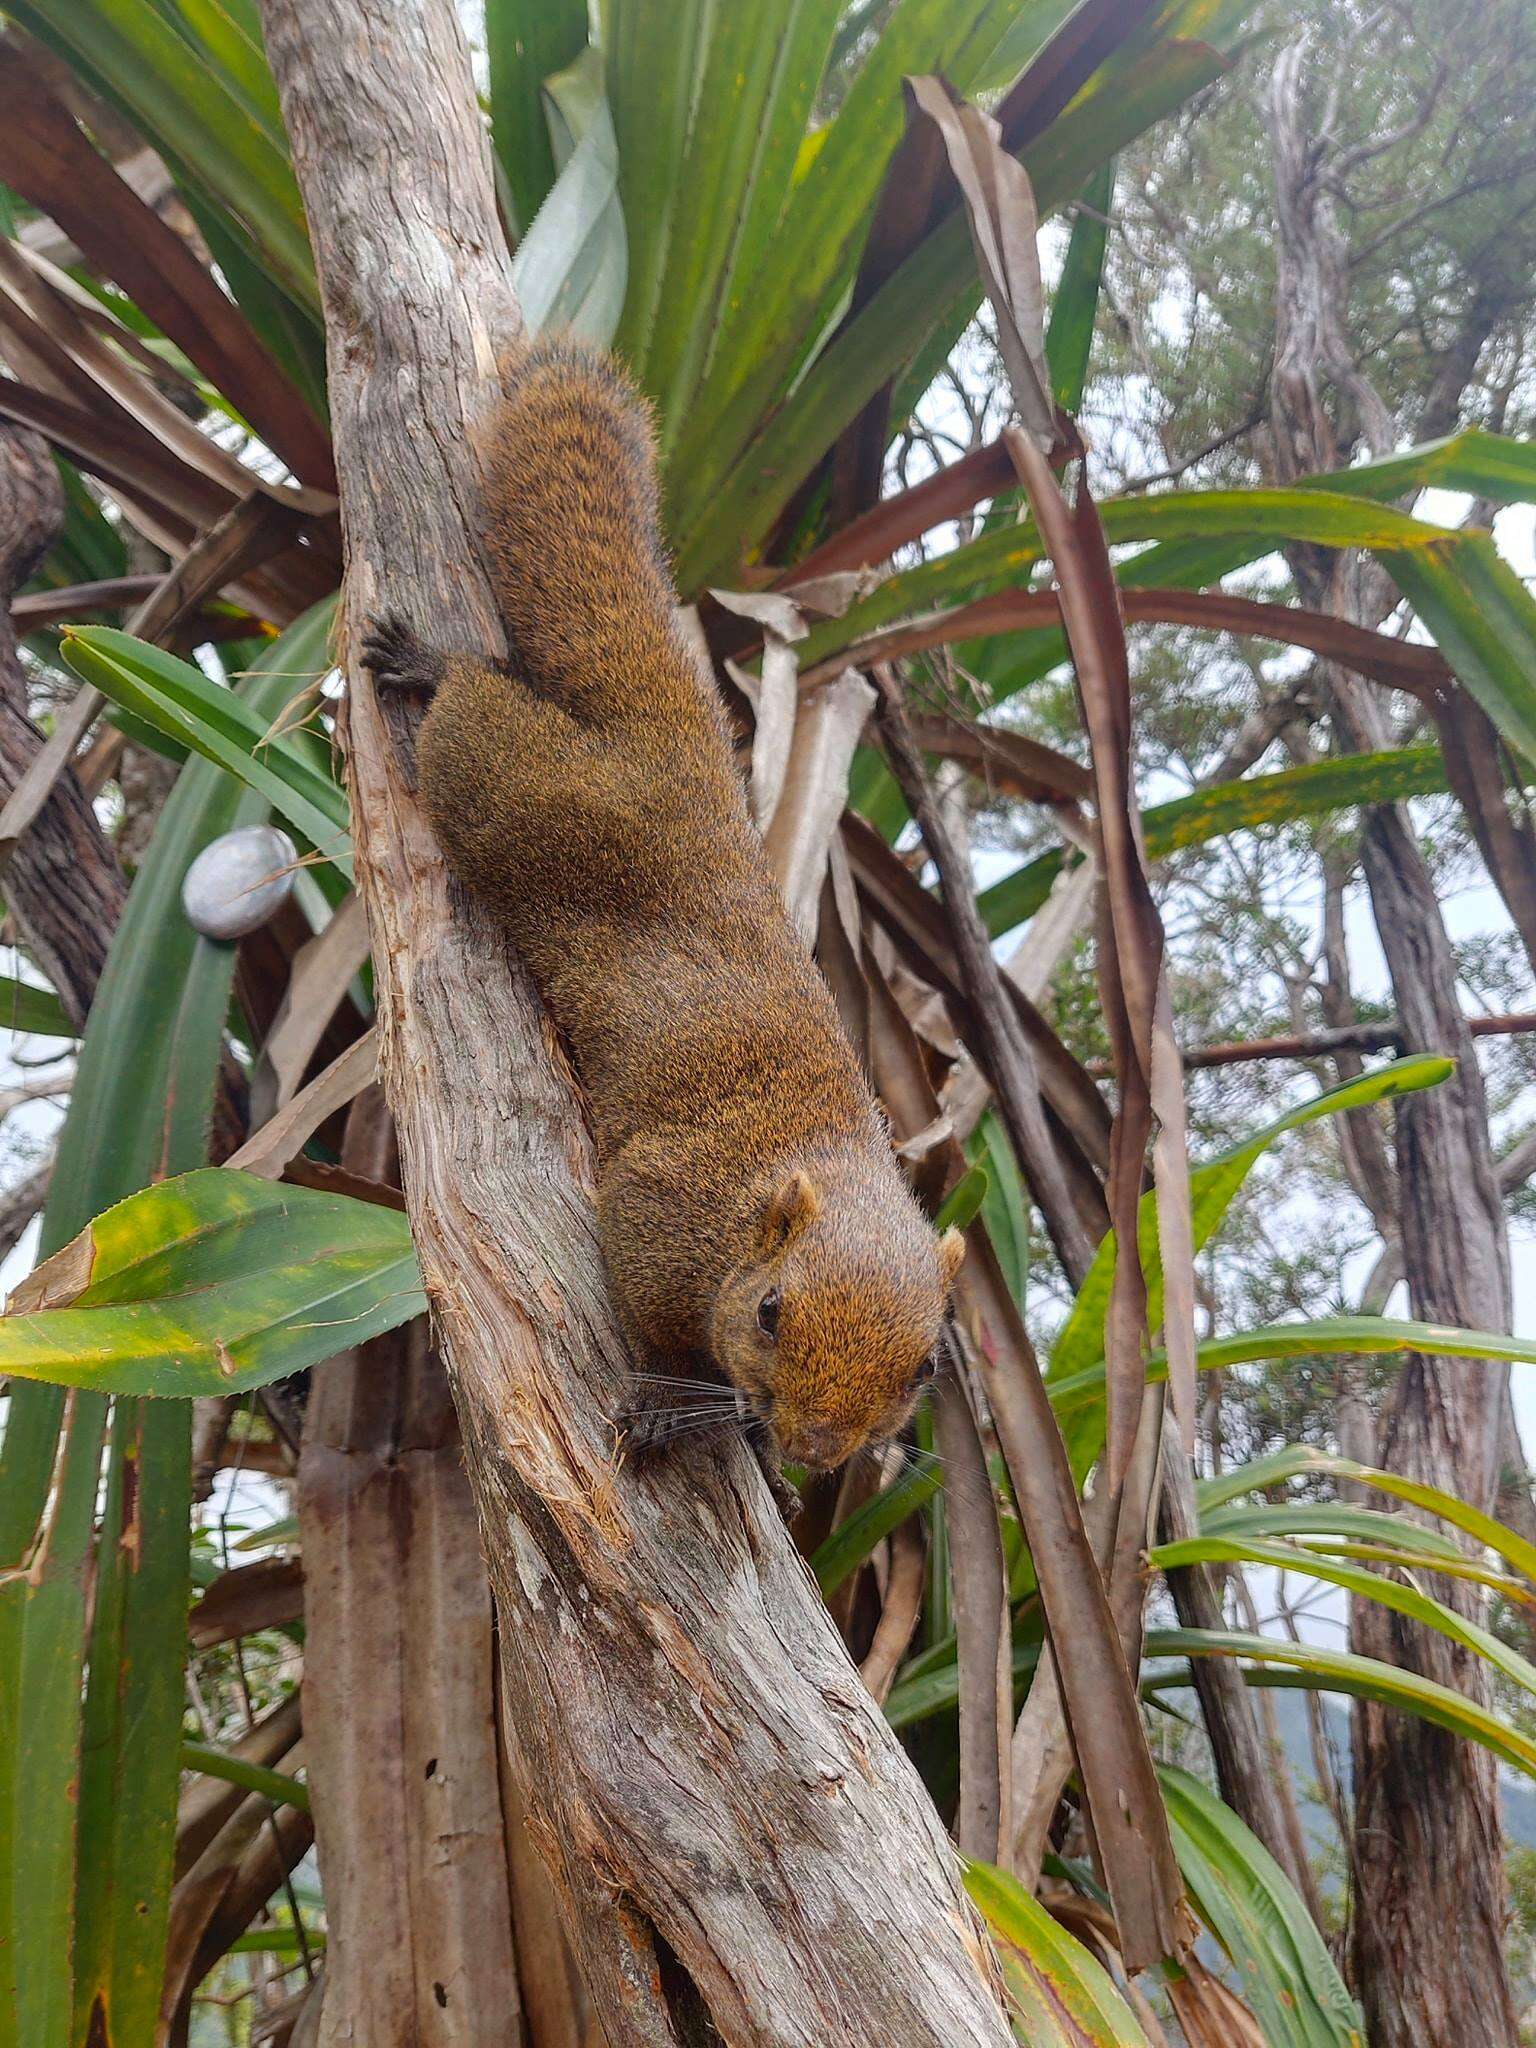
(818, 1445)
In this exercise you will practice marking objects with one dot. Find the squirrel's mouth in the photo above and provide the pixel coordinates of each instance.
(818, 1447)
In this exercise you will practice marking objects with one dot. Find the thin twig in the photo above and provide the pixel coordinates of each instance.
(1382, 1037)
(1002, 1048)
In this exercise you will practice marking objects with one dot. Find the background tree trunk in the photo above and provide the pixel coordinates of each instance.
(1429, 1892)
(63, 883)
(739, 1843)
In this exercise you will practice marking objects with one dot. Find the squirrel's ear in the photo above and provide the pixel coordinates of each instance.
(794, 1206)
(951, 1253)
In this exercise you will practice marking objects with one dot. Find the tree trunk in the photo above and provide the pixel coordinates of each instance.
(740, 1846)
(1427, 1855)
(1430, 1915)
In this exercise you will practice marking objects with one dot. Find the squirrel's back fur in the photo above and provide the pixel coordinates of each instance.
(750, 1205)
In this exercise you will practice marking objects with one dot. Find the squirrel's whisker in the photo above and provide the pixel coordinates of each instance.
(691, 1411)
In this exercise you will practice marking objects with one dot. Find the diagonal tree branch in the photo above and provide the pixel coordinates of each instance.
(730, 1825)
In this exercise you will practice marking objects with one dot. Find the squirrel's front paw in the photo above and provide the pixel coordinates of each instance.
(398, 657)
(786, 1495)
(642, 1429)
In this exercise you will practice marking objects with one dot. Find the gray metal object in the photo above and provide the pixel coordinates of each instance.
(240, 881)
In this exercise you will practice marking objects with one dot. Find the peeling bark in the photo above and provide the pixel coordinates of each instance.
(731, 1827)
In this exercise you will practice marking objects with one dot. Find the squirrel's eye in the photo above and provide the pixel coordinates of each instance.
(928, 1370)
(768, 1313)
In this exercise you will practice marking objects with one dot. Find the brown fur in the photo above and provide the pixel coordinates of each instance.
(587, 790)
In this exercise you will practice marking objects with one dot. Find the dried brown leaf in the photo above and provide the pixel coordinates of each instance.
(108, 445)
(323, 970)
(828, 725)
(1401, 663)
(983, 1632)
(1102, 1716)
(1000, 207)
(46, 156)
(268, 1151)
(900, 1610)
(1131, 971)
(1102, 1713)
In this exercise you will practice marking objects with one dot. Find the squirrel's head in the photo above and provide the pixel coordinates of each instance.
(833, 1328)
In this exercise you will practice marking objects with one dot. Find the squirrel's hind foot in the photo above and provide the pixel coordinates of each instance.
(399, 658)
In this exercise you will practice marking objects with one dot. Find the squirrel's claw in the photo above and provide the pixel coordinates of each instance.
(766, 1452)
(398, 657)
(645, 1431)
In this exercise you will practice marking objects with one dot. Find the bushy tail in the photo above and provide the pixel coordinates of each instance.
(573, 536)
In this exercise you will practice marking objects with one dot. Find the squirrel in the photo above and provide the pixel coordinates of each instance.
(751, 1210)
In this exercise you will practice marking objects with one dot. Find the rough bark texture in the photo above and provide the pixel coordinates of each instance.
(730, 1825)
(1429, 1907)
(399, 1699)
(64, 886)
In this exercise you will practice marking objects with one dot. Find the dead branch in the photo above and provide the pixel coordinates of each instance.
(1312, 1045)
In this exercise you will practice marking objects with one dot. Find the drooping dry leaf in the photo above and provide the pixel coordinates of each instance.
(1000, 206)
(1098, 1695)
(979, 1581)
(773, 694)
(828, 725)
(47, 157)
(1138, 1859)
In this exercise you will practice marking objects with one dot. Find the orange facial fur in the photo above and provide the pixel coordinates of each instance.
(588, 792)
